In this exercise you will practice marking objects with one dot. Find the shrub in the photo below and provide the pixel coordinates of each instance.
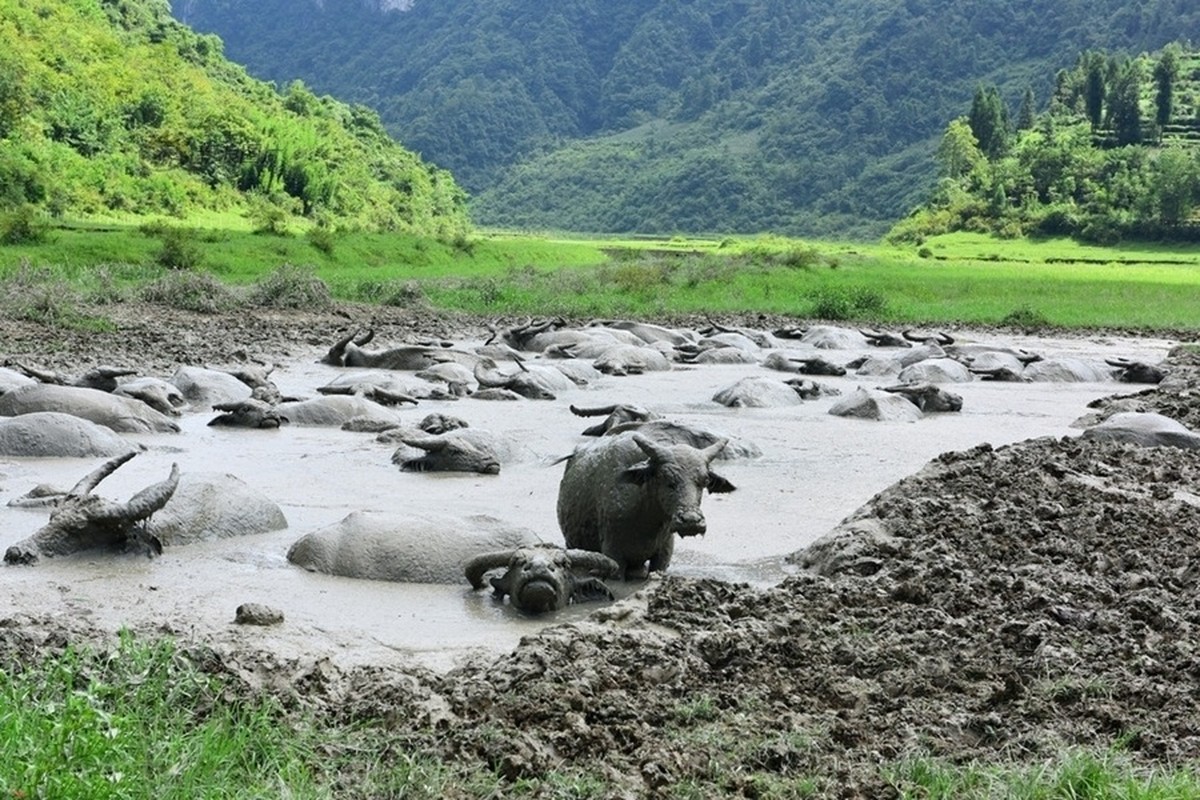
(322, 239)
(180, 249)
(842, 303)
(23, 225)
(289, 286)
(1025, 317)
(191, 291)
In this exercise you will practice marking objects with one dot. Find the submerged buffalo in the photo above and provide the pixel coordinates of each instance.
(627, 496)
(85, 521)
(538, 580)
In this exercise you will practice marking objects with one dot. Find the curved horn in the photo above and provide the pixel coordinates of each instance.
(593, 563)
(1118, 362)
(153, 497)
(475, 568)
(912, 337)
(598, 411)
(365, 338)
(713, 450)
(653, 449)
(488, 375)
(427, 443)
(944, 338)
(93, 478)
(337, 353)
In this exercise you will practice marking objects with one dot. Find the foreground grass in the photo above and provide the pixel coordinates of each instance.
(961, 278)
(142, 720)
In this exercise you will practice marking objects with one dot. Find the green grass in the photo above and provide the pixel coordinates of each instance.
(959, 278)
(144, 720)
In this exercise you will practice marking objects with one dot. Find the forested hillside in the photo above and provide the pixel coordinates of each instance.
(114, 107)
(1115, 156)
(798, 116)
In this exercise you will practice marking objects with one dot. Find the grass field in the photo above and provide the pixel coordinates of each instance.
(959, 278)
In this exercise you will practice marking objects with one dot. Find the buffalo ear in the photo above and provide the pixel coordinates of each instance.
(500, 586)
(719, 485)
(638, 474)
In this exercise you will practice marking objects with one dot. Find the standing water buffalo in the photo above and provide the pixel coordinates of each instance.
(545, 578)
(626, 496)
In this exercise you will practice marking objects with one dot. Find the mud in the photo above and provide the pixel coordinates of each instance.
(998, 590)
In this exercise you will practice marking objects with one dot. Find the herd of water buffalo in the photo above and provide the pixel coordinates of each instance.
(623, 498)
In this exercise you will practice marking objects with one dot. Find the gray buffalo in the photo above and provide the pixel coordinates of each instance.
(121, 414)
(457, 450)
(49, 434)
(538, 580)
(1145, 429)
(85, 521)
(411, 548)
(627, 496)
(348, 352)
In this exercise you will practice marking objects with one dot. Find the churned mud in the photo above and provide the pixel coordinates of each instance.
(987, 586)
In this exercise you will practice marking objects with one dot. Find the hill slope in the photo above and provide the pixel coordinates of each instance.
(661, 115)
(111, 106)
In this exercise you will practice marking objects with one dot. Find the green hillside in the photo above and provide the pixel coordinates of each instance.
(796, 116)
(1115, 157)
(111, 107)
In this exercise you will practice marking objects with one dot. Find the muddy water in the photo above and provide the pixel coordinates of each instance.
(815, 469)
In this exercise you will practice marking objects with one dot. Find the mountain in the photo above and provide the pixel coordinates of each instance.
(114, 107)
(798, 116)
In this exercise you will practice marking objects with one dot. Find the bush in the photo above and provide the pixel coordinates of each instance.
(290, 286)
(23, 225)
(1025, 317)
(839, 303)
(322, 239)
(191, 291)
(180, 249)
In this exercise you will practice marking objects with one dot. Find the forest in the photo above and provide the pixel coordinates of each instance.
(663, 116)
(112, 107)
(1115, 157)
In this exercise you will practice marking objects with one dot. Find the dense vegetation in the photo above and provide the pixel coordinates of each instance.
(794, 116)
(111, 107)
(1116, 156)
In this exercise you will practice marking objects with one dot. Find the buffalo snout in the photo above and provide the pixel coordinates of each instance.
(689, 522)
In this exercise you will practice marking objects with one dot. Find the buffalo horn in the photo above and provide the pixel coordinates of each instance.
(93, 478)
(593, 563)
(475, 568)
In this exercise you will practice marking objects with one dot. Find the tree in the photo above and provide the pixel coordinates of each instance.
(989, 121)
(1025, 115)
(1124, 103)
(959, 151)
(1175, 188)
(1095, 69)
(1166, 73)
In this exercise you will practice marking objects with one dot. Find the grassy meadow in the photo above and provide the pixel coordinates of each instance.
(953, 279)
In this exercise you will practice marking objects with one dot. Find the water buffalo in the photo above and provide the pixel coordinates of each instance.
(248, 413)
(102, 378)
(1145, 429)
(84, 521)
(49, 434)
(1136, 371)
(876, 404)
(411, 548)
(535, 384)
(626, 496)
(348, 352)
(927, 396)
(457, 450)
(542, 579)
(121, 414)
